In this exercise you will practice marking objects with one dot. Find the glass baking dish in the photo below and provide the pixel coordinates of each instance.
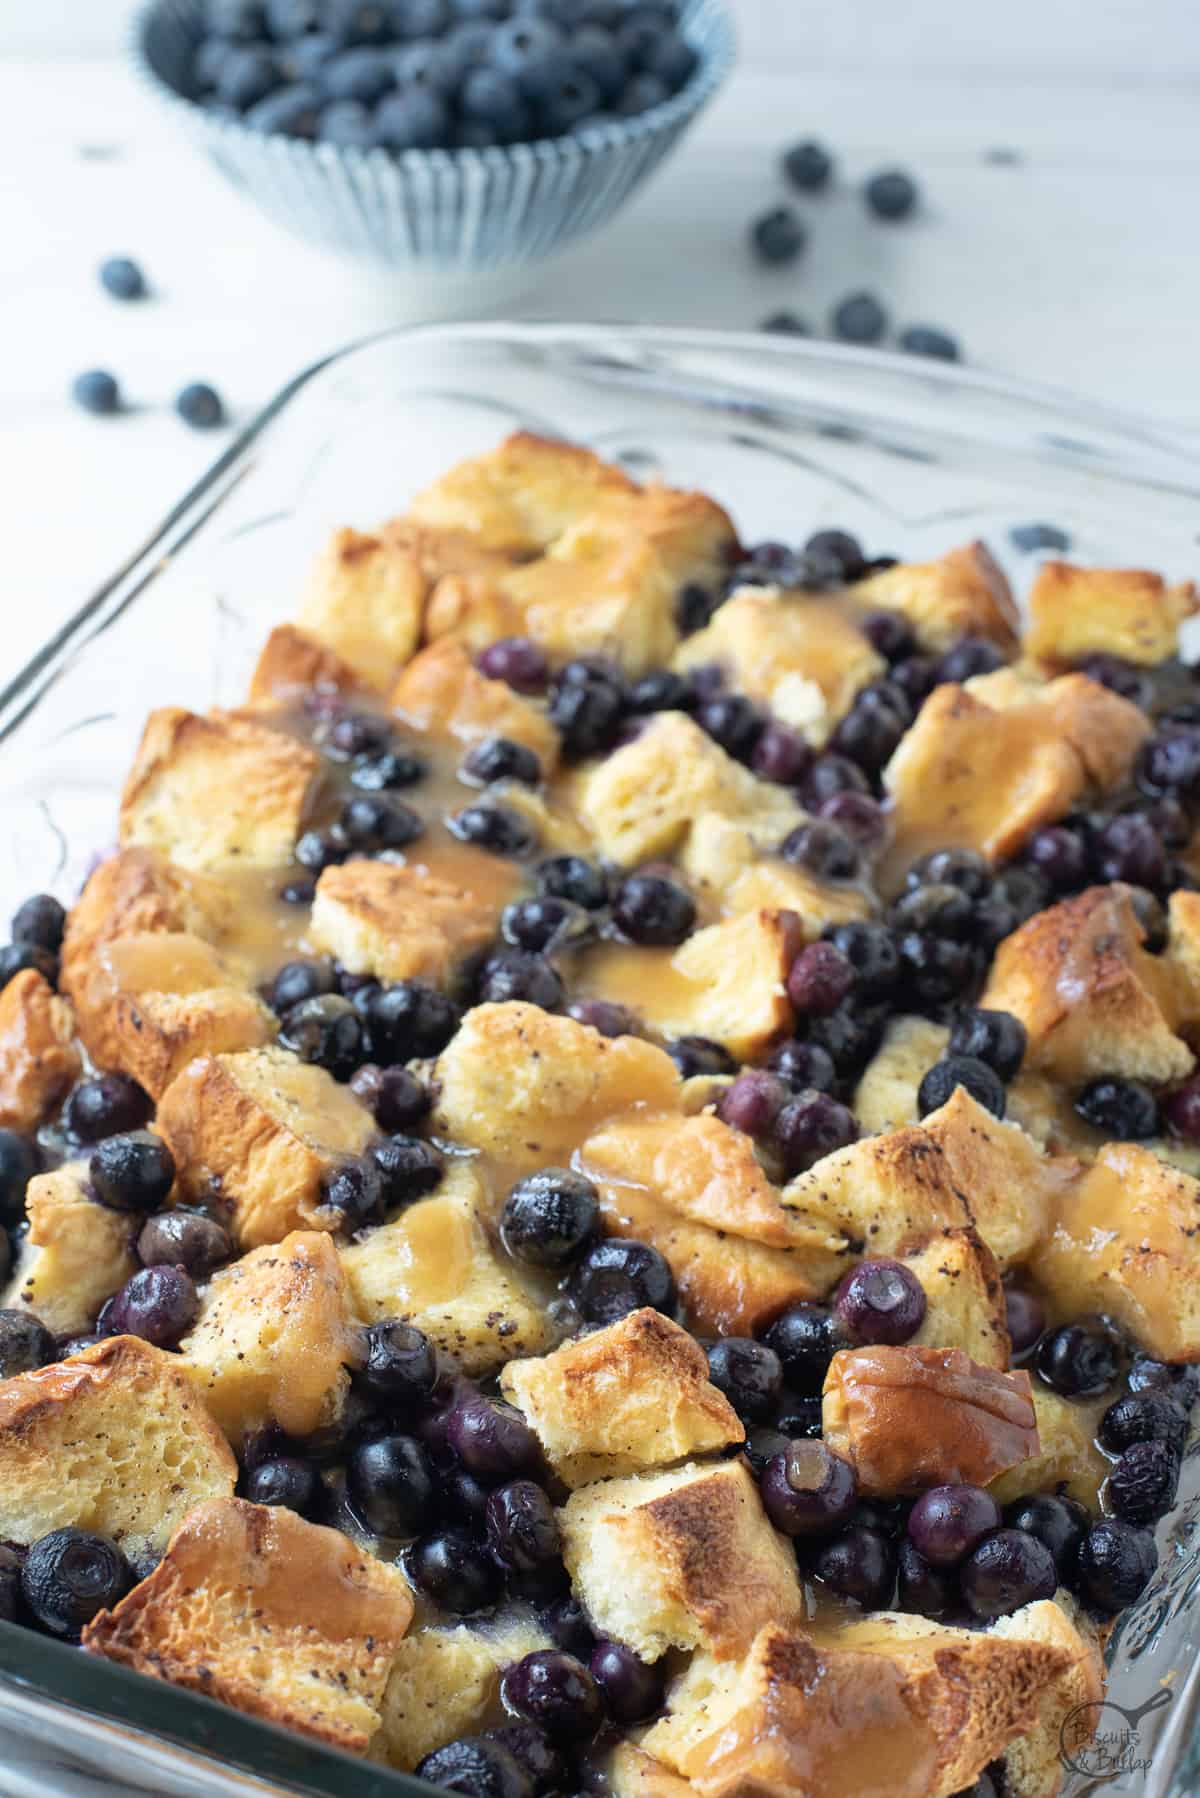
(792, 436)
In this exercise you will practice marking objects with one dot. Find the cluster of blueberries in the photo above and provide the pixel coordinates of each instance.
(99, 392)
(437, 74)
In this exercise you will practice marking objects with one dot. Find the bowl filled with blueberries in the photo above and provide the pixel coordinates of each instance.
(462, 141)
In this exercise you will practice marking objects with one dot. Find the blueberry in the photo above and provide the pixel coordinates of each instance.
(499, 758)
(808, 166)
(996, 1038)
(292, 111)
(631, 1688)
(823, 850)
(328, 1032)
(1119, 676)
(491, 1438)
(566, 1624)
(808, 1491)
(1025, 1317)
(1144, 1417)
(70, 1575)
(671, 59)
(401, 1365)
(522, 46)
(928, 340)
(695, 1055)
(1060, 1524)
(518, 662)
(1169, 762)
(1031, 537)
(805, 1338)
(1129, 848)
(200, 406)
(1181, 1381)
(317, 850)
(922, 1588)
(299, 980)
(753, 1103)
(1126, 1109)
(371, 822)
(604, 1015)
(811, 1126)
(159, 1304)
(859, 318)
(660, 691)
(353, 1194)
(840, 548)
(387, 770)
(860, 1564)
(947, 1522)
(239, 20)
(650, 910)
(132, 1173)
(535, 1753)
(851, 1034)
(411, 1021)
(105, 1106)
(574, 879)
(975, 1077)
(395, 1098)
(363, 74)
(359, 21)
(412, 19)
(247, 75)
(10, 1584)
(285, 1480)
(1078, 1360)
(304, 58)
(819, 979)
(693, 608)
(829, 776)
(871, 951)
(750, 1375)
(917, 675)
(186, 1239)
(890, 633)
(1142, 1485)
(518, 974)
(778, 236)
(1059, 855)
(595, 51)
(1009, 1569)
(96, 391)
(473, 1764)
(619, 1276)
(19, 958)
(434, 65)
(415, 119)
(880, 1301)
(549, 1216)
(25, 1343)
(292, 18)
(1116, 1563)
(586, 706)
(522, 1529)
(871, 731)
(391, 1485)
(19, 1162)
(781, 755)
(490, 97)
(732, 721)
(408, 1167)
(968, 657)
(122, 278)
(891, 194)
(555, 1691)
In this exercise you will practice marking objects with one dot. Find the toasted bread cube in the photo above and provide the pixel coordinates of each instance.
(526, 1087)
(272, 1615)
(632, 1774)
(775, 883)
(964, 1300)
(1068, 1712)
(1010, 1186)
(1127, 612)
(802, 658)
(642, 800)
(76, 1255)
(276, 1337)
(886, 1095)
(962, 594)
(1091, 999)
(261, 1129)
(1066, 1459)
(892, 1707)
(624, 1399)
(693, 1189)
(442, 691)
(434, 1266)
(115, 1440)
(216, 790)
(444, 1683)
(1126, 1242)
(521, 495)
(880, 1196)
(292, 664)
(1182, 955)
(38, 1057)
(405, 922)
(907, 1418)
(685, 1559)
(364, 602)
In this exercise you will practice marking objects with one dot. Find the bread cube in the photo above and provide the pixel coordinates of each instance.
(435, 1266)
(1182, 955)
(1066, 1458)
(260, 1130)
(526, 1087)
(625, 1399)
(276, 1337)
(217, 790)
(404, 922)
(774, 883)
(444, 1682)
(521, 495)
(962, 594)
(1091, 999)
(38, 1058)
(1011, 1187)
(364, 601)
(632, 1774)
(880, 1196)
(292, 664)
(886, 1095)
(685, 1559)
(76, 1255)
(907, 1418)
(1068, 1711)
(1127, 612)
(443, 692)
(281, 1618)
(115, 1440)
(964, 1300)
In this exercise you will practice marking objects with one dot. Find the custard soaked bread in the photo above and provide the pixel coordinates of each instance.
(605, 1184)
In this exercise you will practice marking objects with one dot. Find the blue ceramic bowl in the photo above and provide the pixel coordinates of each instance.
(436, 213)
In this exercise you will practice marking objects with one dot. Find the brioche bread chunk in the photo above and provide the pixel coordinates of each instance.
(275, 1616)
(38, 1057)
(879, 1196)
(962, 594)
(685, 1559)
(693, 1188)
(442, 691)
(526, 1087)
(364, 602)
(747, 882)
(404, 922)
(276, 1338)
(217, 790)
(802, 658)
(1091, 999)
(259, 1131)
(1126, 1242)
(1011, 1187)
(114, 1440)
(444, 1682)
(1066, 1458)
(633, 1774)
(964, 1299)
(907, 1418)
(1068, 1712)
(624, 1399)
(521, 495)
(435, 1266)
(76, 1254)
(886, 1095)
(292, 665)
(1127, 612)
(893, 1707)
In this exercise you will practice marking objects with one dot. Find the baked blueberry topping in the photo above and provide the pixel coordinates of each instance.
(40, 920)
(1122, 1108)
(803, 1066)
(518, 662)
(408, 1168)
(880, 1301)
(695, 1055)
(996, 1038)
(499, 829)
(573, 878)
(160, 1304)
(1059, 1523)
(285, 1480)
(1078, 1360)
(519, 974)
(1008, 1569)
(1116, 1563)
(491, 1438)
(810, 1126)
(390, 1483)
(805, 1338)
(186, 1239)
(555, 1691)
(132, 1173)
(922, 1587)
(19, 1162)
(543, 924)
(411, 1021)
(653, 911)
(522, 1529)
(1025, 1316)
(549, 1216)
(948, 1522)
(25, 1343)
(1143, 1482)
(618, 1276)
(750, 1375)
(753, 1102)
(395, 1097)
(15, 958)
(632, 1689)
(859, 1564)
(70, 1575)
(808, 1491)
(328, 1032)
(499, 758)
(475, 1764)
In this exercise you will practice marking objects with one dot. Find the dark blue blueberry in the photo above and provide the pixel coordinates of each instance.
(805, 1337)
(491, 1438)
(247, 76)
(786, 324)
(995, 1037)
(1144, 1417)
(391, 1485)
(478, 1765)
(132, 1173)
(328, 1032)
(880, 1301)
(871, 951)
(891, 194)
(364, 75)
(456, 1572)
(522, 1530)
(1078, 1360)
(734, 722)
(401, 1365)
(68, 1576)
(359, 21)
(293, 111)
(241, 21)
(1142, 1485)
(415, 119)
(781, 755)
(1059, 854)
(892, 635)
(17, 958)
(778, 236)
(305, 58)
(672, 59)
(411, 1021)
(105, 1106)
(499, 829)
(549, 1216)
(372, 822)
(573, 878)
(1031, 537)
(500, 758)
(694, 607)
(830, 775)
(650, 910)
(207, 63)
(19, 1162)
(1115, 1564)
(1129, 848)
(97, 392)
(566, 1624)
(431, 65)
(1060, 1524)
(350, 125)
(871, 731)
(535, 1753)
(923, 1588)
(859, 318)
(555, 1691)
(1025, 1317)
(840, 548)
(413, 19)
(159, 1304)
(947, 1522)
(752, 1102)
(285, 1480)
(1126, 1109)
(386, 771)
(353, 1194)
(935, 968)
(749, 1373)
(928, 340)
(595, 50)
(395, 1097)
(40, 920)
(811, 1126)
(661, 691)
(186, 1239)
(976, 1077)
(521, 47)
(632, 1689)
(566, 95)
(969, 656)
(822, 849)
(808, 166)
(807, 1490)
(300, 980)
(587, 705)
(860, 1565)
(122, 278)
(640, 29)
(409, 1168)
(25, 1343)
(200, 406)
(1008, 1570)
(694, 1055)
(287, 19)
(619, 1276)
(518, 974)
(492, 98)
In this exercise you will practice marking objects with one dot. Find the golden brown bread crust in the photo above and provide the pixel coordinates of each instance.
(963, 593)
(154, 1035)
(624, 1399)
(908, 1418)
(293, 664)
(1129, 612)
(364, 601)
(114, 1440)
(442, 691)
(964, 1297)
(882, 1195)
(38, 1058)
(76, 1254)
(404, 922)
(1010, 1185)
(1066, 1459)
(444, 1682)
(521, 495)
(1067, 1715)
(740, 967)
(270, 1614)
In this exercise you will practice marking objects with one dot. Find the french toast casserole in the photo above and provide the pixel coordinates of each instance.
(604, 1188)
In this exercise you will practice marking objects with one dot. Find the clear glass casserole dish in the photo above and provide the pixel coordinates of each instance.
(792, 437)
